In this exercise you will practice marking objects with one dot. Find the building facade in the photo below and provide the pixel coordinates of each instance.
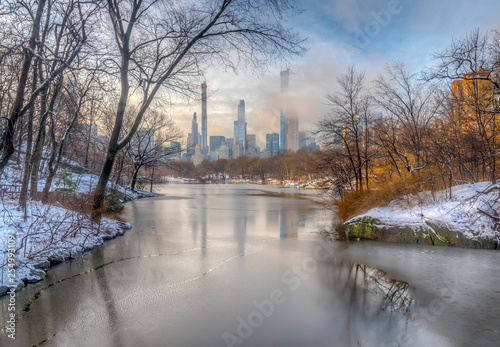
(193, 136)
(204, 143)
(240, 129)
(272, 144)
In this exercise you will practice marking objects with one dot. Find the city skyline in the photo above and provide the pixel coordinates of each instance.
(240, 125)
(332, 27)
(288, 138)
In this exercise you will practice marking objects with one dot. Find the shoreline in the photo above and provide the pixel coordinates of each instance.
(94, 236)
(464, 217)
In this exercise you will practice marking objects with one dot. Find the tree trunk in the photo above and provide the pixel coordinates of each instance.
(100, 188)
(152, 178)
(38, 149)
(7, 144)
(134, 177)
(23, 197)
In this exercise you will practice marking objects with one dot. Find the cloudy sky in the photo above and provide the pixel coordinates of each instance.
(364, 33)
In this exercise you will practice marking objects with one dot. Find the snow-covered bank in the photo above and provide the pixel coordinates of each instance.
(51, 234)
(470, 218)
(47, 237)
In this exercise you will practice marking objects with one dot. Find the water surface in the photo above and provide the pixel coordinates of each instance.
(223, 265)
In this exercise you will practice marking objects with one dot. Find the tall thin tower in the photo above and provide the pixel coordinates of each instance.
(204, 148)
(194, 132)
(240, 128)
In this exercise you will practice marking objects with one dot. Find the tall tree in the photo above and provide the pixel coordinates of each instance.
(148, 148)
(168, 44)
(346, 129)
(410, 108)
(473, 64)
(56, 54)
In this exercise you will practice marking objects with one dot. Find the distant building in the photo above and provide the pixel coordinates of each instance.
(237, 150)
(240, 128)
(289, 125)
(230, 147)
(284, 79)
(217, 142)
(221, 152)
(251, 145)
(198, 156)
(175, 150)
(302, 139)
(292, 135)
(272, 144)
(143, 140)
(193, 139)
(472, 95)
(204, 143)
(283, 131)
(310, 145)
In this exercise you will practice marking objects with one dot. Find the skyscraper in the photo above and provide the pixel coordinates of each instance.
(283, 131)
(289, 124)
(302, 139)
(203, 146)
(251, 145)
(216, 142)
(272, 144)
(240, 129)
(230, 147)
(284, 79)
(194, 132)
(292, 134)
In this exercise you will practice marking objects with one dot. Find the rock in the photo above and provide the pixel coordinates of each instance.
(19, 286)
(430, 233)
(3, 290)
(108, 237)
(43, 265)
(124, 226)
(36, 276)
(55, 259)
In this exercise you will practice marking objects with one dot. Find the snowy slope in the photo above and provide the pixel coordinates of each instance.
(49, 235)
(473, 210)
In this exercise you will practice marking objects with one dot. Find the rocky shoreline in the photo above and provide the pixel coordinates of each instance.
(465, 216)
(431, 233)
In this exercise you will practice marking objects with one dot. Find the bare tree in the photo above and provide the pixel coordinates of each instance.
(55, 53)
(346, 129)
(410, 107)
(473, 64)
(476, 52)
(148, 148)
(168, 44)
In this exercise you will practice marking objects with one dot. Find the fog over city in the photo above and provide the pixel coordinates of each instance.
(250, 173)
(339, 33)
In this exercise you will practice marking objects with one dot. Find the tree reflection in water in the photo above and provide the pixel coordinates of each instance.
(374, 310)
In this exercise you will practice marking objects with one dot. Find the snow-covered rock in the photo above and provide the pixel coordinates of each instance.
(470, 218)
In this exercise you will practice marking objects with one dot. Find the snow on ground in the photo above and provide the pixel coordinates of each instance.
(472, 210)
(49, 235)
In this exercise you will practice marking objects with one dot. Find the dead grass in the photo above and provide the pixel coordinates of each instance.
(403, 189)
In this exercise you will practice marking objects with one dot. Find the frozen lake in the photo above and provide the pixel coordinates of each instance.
(232, 265)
